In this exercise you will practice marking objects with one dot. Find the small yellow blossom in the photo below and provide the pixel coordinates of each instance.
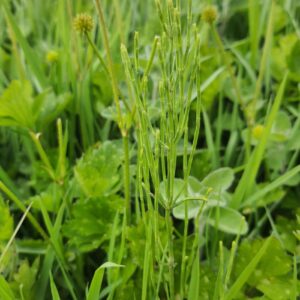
(257, 131)
(52, 56)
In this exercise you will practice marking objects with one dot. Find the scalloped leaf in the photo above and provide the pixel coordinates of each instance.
(98, 171)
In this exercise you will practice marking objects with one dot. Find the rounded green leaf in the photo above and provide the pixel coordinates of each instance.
(281, 130)
(219, 180)
(193, 207)
(178, 188)
(227, 220)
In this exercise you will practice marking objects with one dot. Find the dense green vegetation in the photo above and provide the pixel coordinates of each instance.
(149, 149)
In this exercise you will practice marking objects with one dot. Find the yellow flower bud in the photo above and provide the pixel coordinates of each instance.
(83, 23)
(210, 14)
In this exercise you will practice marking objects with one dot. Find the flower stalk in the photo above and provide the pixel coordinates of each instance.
(121, 123)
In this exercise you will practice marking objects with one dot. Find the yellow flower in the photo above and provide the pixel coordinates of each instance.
(52, 56)
(258, 131)
(210, 14)
(83, 23)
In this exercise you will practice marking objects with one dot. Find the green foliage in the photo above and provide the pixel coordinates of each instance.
(94, 290)
(158, 141)
(6, 231)
(293, 61)
(97, 172)
(219, 180)
(273, 270)
(50, 198)
(5, 290)
(6, 222)
(91, 222)
(286, 56)
(227, 220)
(18, 107)
(25, 279)
(211, 194)
(207, 279)
(54, 291)
(248, 270)
(277, 288)
(137, 237)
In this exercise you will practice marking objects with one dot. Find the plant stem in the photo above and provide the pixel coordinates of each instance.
(43, 155)
(23, 208)
(263, 63)
(121, 122)
(119, 20)
(171, 262)
(61, 166)
(97, 53)
(126, 171)
(110, 64)
(228, 66)
(234, 84)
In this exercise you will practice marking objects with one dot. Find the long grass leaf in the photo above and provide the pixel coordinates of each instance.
(241, 280)
(14, 233)
(195, 280)
(249, 175)
(54, 291)
(22, 207)
(5, 291)
(94, 290)
(31, 58)
(254, 14)
(209, 138)
(271, 186)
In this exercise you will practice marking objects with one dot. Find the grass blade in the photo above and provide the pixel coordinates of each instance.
(272, 186)
(31, 58)
(5, 290)
(22, 207)
(14, 233)
(94, 290)
(209, 138)
(54, 291)
(195, 279)
(249, 175)
(237, 286)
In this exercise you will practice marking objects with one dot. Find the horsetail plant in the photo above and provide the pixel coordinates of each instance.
(178, 64)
